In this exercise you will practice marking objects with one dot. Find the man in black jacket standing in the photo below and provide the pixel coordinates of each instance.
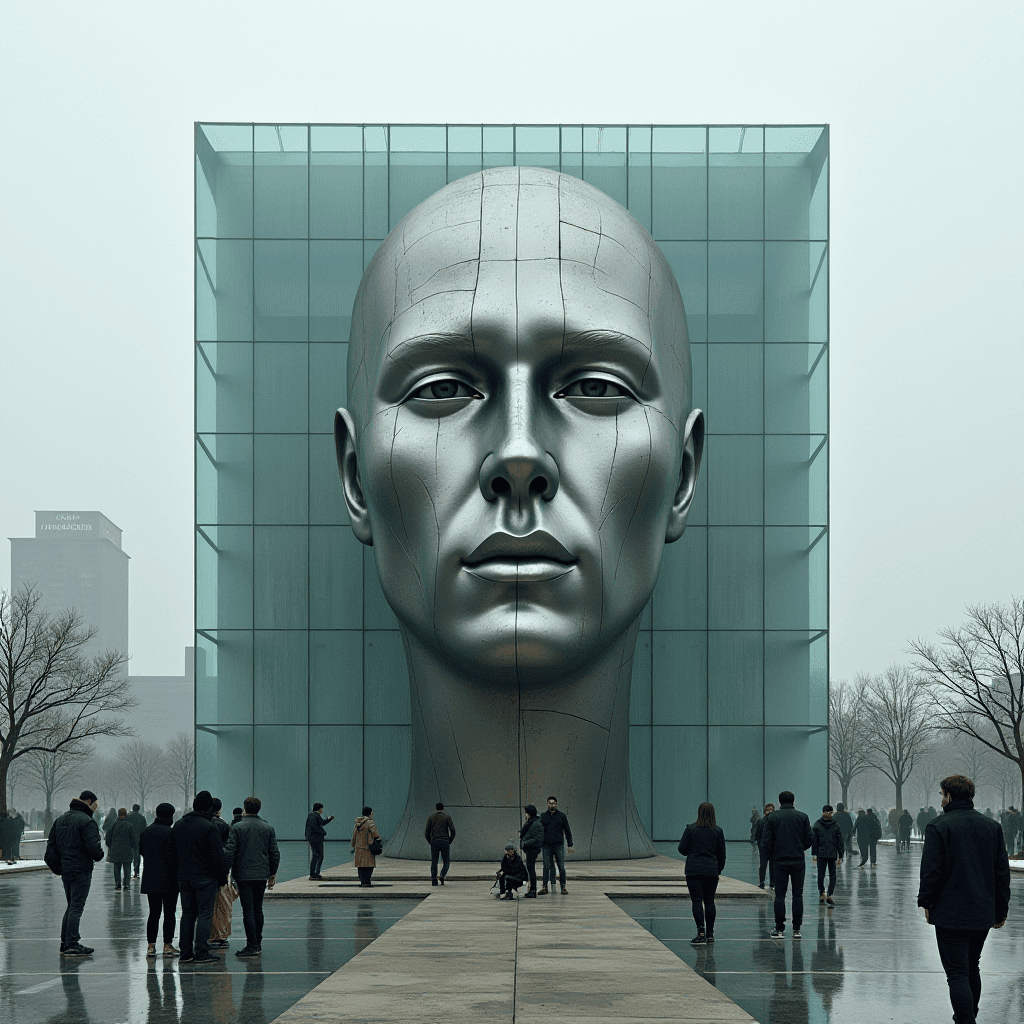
(315, 835)
(787, 834)
(845, 823)
(827, 849)
(965, 890)
(556, 826)
(202, 869)
(137, 820)
(72, 847)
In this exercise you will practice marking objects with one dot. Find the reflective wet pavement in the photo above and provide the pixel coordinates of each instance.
(871, 959)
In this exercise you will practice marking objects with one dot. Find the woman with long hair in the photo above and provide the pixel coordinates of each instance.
(531, 839)
(703, 846)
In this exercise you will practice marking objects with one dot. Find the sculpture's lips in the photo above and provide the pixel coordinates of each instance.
(534, 558)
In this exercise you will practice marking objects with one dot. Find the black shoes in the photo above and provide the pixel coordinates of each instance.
(565, 891)
(206, 958)
(778, 933)
(219, 944)
(433, 881)
(77, 949)
(532, 894)
(796, 933)
(829, 901)
(247, 952)
(441, 880)
(700, 939)
(710, 940)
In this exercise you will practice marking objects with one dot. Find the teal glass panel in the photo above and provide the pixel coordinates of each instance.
(224, 760)
(281, 777)
(800, 753)
(377, 611)
(735, 677)
(224, 387)
(796, 389)
(224, 181)
(465, 150)
(640, 685)
(370, 246)
(224, 677)
(796, 577)
(735, 577)
(645, 617)
(335, 270)
(336, 181)
(223, 479)
(604, 160)
(735, 389)
(735, 479)
(281, 290)
(280, 391)
(638, 186)
(335, 578)
(736, 183)
(336, 778)
(499, 145)
(796, 280)
(680, 596)
(572, 149)
(640, 772)
(680, 752)
(375, 182)
(796, 480)
(538, 146)
(796, 678)
(223, 577)
(796, 182)
(280, 676)
(280, 181)
(679, 182)
(736, 292)
(326, 500)
(387, 758)
(680, 680)
(280, 479)
(418, 166)
(386, 692)
(735, 776)
(328, 385)
(336, 677)
(280, 577)
(689, 263)
(223, 290)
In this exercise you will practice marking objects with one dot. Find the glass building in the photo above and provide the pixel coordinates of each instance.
(301, 687)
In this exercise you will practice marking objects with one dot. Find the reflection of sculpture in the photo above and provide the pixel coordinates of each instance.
(519, 447)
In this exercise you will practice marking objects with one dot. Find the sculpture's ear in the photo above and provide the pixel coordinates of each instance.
(693, 449)
(351, 483)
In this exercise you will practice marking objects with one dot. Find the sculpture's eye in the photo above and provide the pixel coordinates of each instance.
(438, 390)
(593, 387)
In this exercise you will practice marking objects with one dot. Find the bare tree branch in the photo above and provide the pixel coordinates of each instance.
(143, 766)
(181, 765)
(847, 753)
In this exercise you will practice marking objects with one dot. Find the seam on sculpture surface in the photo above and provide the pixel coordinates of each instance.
(618, 501)
(611, 468)
(476, 282)
(394, 490)
(462, 771)
(566, 714)
(426, 734)
(561, 290)
(643, 485)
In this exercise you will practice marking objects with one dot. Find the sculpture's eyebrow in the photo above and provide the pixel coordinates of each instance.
(410, 353)
(582, 343)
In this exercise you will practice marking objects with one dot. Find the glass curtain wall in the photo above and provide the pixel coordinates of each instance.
(301, 687)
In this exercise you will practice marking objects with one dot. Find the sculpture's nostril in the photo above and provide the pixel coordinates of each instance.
(538, 485)
(501, 486)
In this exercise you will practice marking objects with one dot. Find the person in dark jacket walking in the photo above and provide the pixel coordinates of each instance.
(121, 848)
(755, 817)
(254, 858)
(160, 878)
(511, 873)
(531, 841)
(868, 831)
(439, 833)
(921, 821)
(556, 830)
(236, 815)
(765, 862)
(72, 847)
(904, 826)
(201, 871)
(845, 823)
(703, 846)
(827, 849)
(787, 834)
(965, 890)
(138, 823)
(107, 822)
(316, 832)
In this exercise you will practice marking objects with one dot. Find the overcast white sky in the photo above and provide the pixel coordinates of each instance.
(927, 356)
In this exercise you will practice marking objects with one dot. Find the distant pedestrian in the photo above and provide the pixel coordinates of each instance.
(921, 821)
(755, 817)
(72, 847)
(202, 869)
(827, 850)
(108, 821)
(220, 925)
(160, 878)
(6, 837)
(868, 831)
(18, 829)
(703, 846)
(531, 842)
(893, 818)
(439, 833)
(965, 890)
(787, 834)
(121, 848)
(845, 823)
(765, 862)
(254, 858)
(138, 823)
(364, 833)
(316, 832)
(511, 873)
(1010, 830)
(556, 833)
(904, 825)
(236, 815)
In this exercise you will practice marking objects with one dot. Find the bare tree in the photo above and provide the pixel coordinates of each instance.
(847, 741)
(975, 678)
(899, 730)
(143, 766)
(181, 764)
(972, 760)
(43, 672)
(52, 770)
(15, 775)
(932, 766)
(106, 777)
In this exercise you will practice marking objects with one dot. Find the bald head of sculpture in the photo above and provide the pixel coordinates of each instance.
(519, 444)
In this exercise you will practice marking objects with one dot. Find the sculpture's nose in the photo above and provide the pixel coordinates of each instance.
(519, 469)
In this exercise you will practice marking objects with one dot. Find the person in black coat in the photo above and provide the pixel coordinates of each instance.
(511, 873)
(787, 834)
(556, 831)
(121, 848)
(868, 830)
(160, 878)
(765, 861)
(965, 890)
(827, 849)
(316, 833)
(703, 846)
(845, 822)
(904, 826)
(531, 839)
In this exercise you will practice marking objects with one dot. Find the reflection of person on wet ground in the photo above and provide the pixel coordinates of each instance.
(827, 964)
(788, 1002)
(366, 929)
(315, 937)
(74, 1011)
(250, 1009)
(161, 988)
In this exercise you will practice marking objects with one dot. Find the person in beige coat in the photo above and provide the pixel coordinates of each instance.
(363, 834)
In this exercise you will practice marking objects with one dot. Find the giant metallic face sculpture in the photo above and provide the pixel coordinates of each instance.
(518, 449)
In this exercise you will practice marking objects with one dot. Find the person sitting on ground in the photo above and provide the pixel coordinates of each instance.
(827, 849)
(160, 878)
(121, 848)
(511, 873)
(363, 834)
(703, 846)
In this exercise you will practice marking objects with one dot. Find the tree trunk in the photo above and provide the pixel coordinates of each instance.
(3, 785)
(48, 814)
(899, 797)
(846, 801)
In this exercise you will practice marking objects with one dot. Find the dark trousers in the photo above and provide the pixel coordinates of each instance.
(161, 902)
(364, 875)
(508, 884)
(702, 901)
(136, 861)
(76, 891)
(868, 848)
(830, 864)
(198, 896)
(784, 874)
(121, 871)
(960, 952)
(250, 895)
(442, 848)
(530, 856)
(766, 863)
(316, 857)
(554, 855)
